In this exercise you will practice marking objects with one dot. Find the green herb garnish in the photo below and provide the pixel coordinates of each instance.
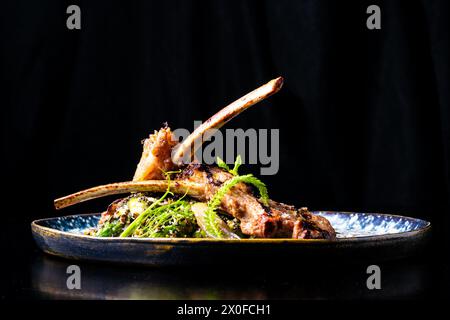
(211, 213)
(141, 218)
(110, 229)
(237, 164)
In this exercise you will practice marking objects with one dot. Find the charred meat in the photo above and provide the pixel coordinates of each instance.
(276, 220)
(200, 200)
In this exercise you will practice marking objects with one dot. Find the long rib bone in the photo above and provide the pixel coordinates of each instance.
(178, 187)
(194, 140)
(215, 122)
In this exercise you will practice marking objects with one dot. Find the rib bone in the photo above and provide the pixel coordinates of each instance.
(215, 122)
(222, 117)
(179, 187)
(202, 183)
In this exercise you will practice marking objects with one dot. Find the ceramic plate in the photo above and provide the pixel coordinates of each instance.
(370, 236)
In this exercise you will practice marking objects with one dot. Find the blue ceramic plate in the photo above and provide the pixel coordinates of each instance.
(360, 236)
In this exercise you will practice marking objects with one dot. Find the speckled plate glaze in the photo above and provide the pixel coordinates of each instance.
(364, 236)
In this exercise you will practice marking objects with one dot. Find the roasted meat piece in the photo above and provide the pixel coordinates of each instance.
(161, 154)
(274, 221)
(156, 156)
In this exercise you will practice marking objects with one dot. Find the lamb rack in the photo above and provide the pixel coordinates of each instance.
(161, 153)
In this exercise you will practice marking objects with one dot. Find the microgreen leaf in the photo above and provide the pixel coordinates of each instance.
(237, 164)
(222, 164)
(214, 203)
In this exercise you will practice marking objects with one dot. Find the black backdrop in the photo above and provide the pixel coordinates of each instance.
(363, 116)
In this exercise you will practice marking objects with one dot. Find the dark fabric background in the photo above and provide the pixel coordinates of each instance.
(363, 116)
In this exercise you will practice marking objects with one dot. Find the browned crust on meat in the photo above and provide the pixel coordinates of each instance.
(156, 156)
(278, 220)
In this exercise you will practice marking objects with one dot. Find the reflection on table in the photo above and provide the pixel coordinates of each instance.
(297, 280)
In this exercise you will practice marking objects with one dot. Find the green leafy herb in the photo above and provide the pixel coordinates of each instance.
(171, 216)
(169, 220)
(223, 165)
(211, 217)
(163, 218)
(214, 203)
(237, 164)
(110, 229)
(249, 179)
(141, 218)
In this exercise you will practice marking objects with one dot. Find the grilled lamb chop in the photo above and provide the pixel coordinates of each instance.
(201, 182)
(274, 221)
(277, 220)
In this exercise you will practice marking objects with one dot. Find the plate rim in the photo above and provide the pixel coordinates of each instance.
(37, 227)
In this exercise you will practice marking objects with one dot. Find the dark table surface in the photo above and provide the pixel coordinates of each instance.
(27, 273)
